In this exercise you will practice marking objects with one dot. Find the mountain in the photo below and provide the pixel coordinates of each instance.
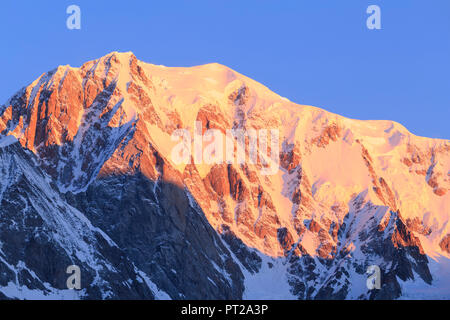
(90, 178)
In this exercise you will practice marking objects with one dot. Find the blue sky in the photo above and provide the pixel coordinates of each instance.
(316, 52)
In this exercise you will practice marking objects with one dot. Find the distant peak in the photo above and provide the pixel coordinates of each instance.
(119, 57)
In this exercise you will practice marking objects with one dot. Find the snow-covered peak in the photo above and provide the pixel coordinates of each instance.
(342, 189)
(95, 119)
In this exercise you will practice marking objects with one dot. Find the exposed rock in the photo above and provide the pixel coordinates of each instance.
(445, 243)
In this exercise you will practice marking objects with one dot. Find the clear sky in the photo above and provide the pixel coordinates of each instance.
(316, 52)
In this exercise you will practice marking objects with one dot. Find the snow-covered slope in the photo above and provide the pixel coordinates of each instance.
(41, 235)
(346, 194)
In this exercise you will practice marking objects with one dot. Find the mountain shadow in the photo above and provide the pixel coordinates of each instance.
(163, 231)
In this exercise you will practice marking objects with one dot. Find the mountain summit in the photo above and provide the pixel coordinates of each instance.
(89, 179)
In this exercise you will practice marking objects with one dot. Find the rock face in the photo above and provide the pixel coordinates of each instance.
(90, 179)
(445, 243)
(163, 231)
(41, 236)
